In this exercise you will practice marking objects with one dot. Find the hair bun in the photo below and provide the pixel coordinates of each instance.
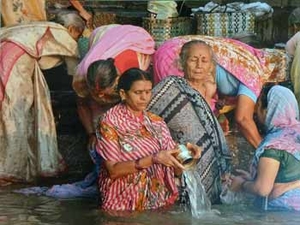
(112, 60)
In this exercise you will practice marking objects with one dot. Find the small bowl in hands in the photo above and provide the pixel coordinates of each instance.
(185, 157)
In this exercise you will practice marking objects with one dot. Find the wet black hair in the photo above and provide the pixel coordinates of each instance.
(263, 97)
(130, 76)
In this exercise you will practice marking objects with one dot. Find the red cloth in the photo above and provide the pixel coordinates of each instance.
(126, 60)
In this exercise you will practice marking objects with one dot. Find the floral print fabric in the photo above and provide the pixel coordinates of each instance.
(124, 137)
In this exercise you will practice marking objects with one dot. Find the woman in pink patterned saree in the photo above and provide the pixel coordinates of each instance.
(138, 151)
(240, 72)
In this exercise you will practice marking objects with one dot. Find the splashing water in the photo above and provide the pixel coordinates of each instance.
(199, 202)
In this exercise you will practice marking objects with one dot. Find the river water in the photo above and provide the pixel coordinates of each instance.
(40, 210)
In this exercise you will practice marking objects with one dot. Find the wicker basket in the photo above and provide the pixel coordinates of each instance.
(162, 30)
(133, 18)
(225, 24)
(104, 18)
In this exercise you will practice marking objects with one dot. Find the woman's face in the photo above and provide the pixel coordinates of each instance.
(75, 33)
(199, 64)
(138, 97)
(108, 95)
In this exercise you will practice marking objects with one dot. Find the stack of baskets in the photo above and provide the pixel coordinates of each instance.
(163, 29)
(225, 24)
(104, 18)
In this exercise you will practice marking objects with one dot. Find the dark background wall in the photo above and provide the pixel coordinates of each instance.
(274, 31)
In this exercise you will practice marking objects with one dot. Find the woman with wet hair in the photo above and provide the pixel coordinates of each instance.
(112, 50)
(274, 173)
(139, 154)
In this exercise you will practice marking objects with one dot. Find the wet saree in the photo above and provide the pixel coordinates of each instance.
(122, 137)
(28, 146)
(283, 134)
(190, 119)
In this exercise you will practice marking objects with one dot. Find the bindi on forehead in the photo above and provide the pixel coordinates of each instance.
(200, 56)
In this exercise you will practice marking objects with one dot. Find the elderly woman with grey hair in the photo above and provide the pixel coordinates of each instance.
(184, 105)
(27, 130)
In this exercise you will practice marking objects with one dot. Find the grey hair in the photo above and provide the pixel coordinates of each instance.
(70, 18)
(101, 74)
(184, 53)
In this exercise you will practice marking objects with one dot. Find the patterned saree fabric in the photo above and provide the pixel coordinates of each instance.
(283, 134)
(111, 41)
(22, 11)
(250, 66)
(125, 137)
(282, 123)
(190, 119)
(27, 130)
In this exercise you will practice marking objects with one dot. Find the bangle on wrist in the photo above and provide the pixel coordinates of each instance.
(137, 165)
(154, 158)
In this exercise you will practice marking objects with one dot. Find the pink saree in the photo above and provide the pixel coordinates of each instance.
(125, 137)
(250, 66)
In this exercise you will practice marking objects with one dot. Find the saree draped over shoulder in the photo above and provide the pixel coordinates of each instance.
(283, 134)
(111, 41)
(190, 119)
(253, 67)
(27, 130)
(125, 137)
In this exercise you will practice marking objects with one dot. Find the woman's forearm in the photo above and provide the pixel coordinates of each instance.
(121, 169)
(281, 188)
(85, 116)
(252, 187)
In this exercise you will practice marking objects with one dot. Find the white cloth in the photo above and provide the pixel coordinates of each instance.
(163, 9)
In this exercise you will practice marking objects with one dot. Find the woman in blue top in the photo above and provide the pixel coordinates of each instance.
(274, 172)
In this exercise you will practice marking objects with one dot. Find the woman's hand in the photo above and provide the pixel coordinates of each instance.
(167, 158)
(245, 174)
(236, 183)
(281, 188)
(195, 150)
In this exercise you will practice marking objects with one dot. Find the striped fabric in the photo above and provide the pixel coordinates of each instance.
(124, 137)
